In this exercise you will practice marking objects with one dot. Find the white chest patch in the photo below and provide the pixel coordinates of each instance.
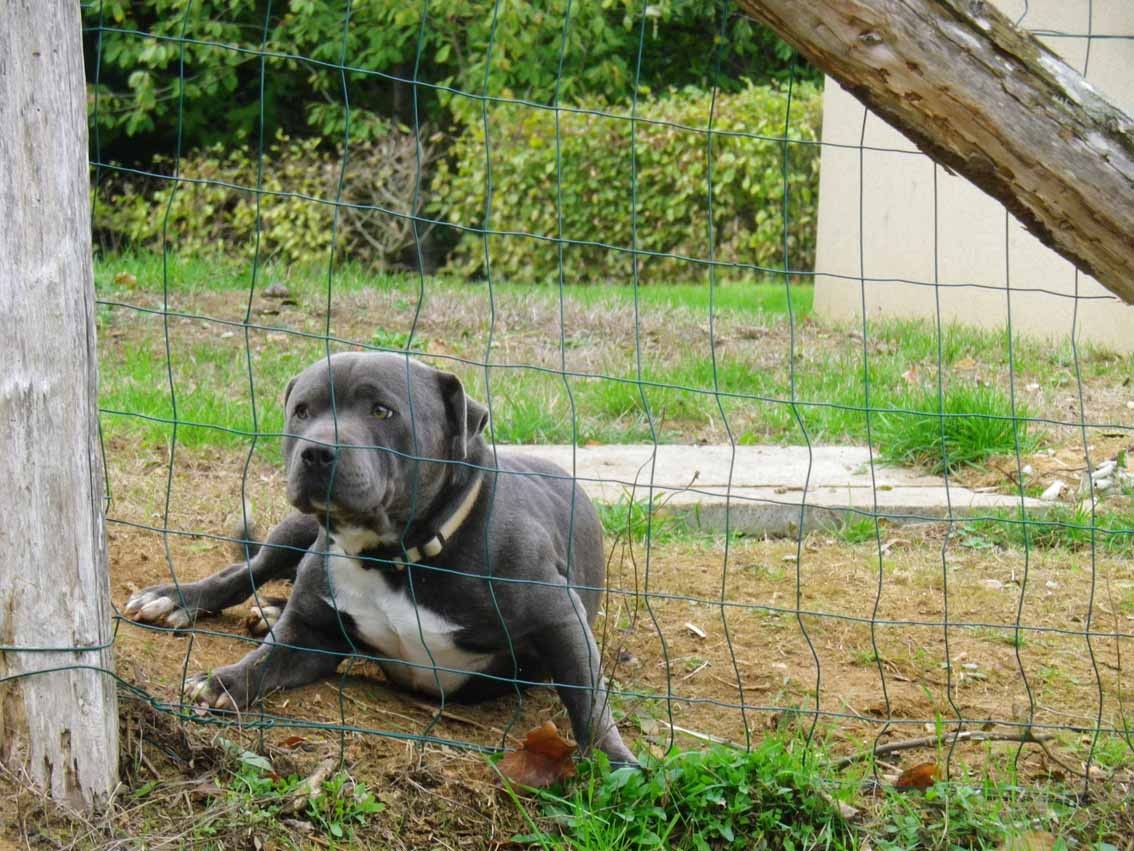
(388, 621)
(355, 539)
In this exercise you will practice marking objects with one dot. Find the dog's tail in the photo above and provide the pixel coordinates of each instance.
(243, 533)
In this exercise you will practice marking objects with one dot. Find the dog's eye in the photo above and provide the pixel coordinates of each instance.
(381, 412)
(301, 411)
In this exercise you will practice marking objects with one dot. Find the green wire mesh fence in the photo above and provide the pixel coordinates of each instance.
(1011, 619)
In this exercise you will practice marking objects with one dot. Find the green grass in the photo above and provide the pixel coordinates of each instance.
(1110, 531)
(207, 392)
(756, 298)
(186, 275)
(1059, 527)
(972, 425)
(678, 403)
(781, 795)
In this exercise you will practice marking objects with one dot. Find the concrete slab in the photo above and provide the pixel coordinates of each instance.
(767, 490)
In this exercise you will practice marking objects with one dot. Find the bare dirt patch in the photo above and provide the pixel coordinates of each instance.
(706, 644)
(712, 644)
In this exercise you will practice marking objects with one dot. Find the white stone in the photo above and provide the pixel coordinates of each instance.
(1053, 490)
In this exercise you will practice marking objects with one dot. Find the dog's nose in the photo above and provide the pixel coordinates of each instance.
(318, 457)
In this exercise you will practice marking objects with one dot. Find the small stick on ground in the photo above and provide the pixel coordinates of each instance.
(1072, 771)
(703, 737)
(446, 714)
(933, 741)
(309, 787)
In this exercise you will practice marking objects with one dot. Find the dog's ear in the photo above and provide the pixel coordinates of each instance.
(287, 391)
(467, 417)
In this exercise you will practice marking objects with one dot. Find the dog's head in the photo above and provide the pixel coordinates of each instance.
(360, 430)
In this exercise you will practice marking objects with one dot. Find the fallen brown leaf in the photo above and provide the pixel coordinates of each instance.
(543, 759)
(920, 776)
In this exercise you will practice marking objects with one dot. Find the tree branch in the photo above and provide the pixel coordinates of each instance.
(934, 741)
(991, 103)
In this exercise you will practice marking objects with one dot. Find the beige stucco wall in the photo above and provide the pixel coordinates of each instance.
(976, 243)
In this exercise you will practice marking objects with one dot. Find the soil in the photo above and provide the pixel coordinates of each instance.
(799, 620)
(680, 656)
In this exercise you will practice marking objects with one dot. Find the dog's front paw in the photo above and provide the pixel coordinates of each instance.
(615, 749)
(162, 605)
(208, 691)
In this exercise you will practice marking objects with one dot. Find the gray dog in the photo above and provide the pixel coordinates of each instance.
(409, 546)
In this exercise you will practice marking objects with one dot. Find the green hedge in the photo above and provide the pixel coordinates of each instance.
(212, 210)
(672, 197)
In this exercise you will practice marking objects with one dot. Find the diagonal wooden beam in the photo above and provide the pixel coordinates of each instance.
(988, 101)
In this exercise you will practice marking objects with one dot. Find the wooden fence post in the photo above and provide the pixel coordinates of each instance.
(58, 710)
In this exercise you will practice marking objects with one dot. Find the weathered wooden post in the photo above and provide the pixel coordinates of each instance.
(58, 712)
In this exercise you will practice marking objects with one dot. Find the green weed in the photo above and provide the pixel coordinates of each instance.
(782, 795)
(955, 815)
(637, 519)
(717, 798)
(255, 797)
(343, 806)
(1070, 527)
(857, 529)
(971, 426)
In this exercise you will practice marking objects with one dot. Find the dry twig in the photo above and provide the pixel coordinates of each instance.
(933, 741)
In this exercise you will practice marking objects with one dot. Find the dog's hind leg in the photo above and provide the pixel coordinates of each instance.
(176, 606)
(568, 648)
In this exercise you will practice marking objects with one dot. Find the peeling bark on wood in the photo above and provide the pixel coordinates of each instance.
(991, 103)
(58, 716)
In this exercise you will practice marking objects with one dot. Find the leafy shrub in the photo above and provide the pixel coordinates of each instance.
(516, 49)
(671, 149)
(212, 208)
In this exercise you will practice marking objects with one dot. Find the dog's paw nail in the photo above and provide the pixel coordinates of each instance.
(155, 609)
(136, 602)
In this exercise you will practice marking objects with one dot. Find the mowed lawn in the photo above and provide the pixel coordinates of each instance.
(190, 345)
